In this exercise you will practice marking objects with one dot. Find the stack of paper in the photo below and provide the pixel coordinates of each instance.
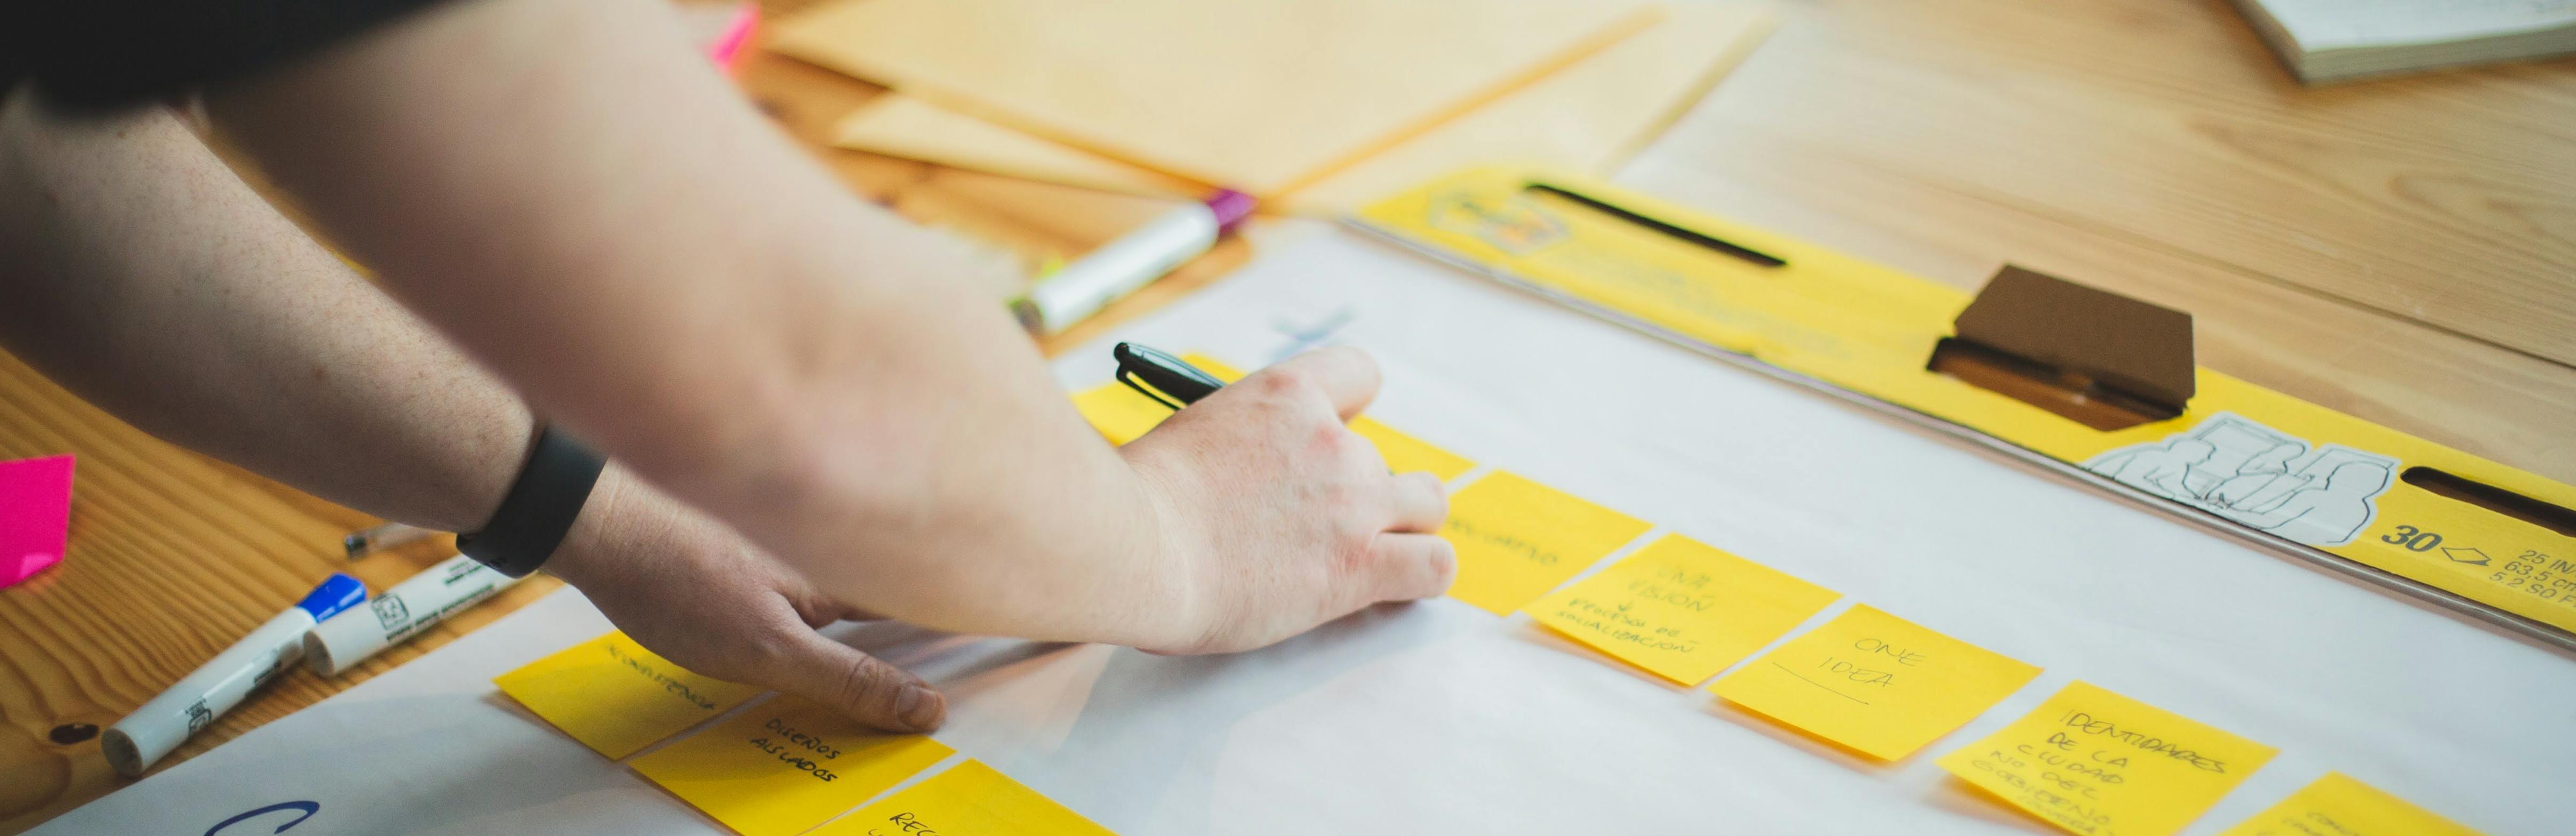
(1313, 105)
(2324, 40)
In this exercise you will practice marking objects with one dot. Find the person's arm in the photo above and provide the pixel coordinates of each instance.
(589, 209)
(137, 270)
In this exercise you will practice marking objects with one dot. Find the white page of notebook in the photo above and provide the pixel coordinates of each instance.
(1439, 718)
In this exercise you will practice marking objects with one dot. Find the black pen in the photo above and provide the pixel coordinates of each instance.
(1157, 373)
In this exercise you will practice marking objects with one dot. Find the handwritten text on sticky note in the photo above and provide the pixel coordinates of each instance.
(1681, 609)
(969, 798)
(1874, 682)
(1517, 539)
(785, 765)
(616, 697)
(2338, 805)
(2094, 762)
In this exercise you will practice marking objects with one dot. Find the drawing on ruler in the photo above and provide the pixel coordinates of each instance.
(2237, 468)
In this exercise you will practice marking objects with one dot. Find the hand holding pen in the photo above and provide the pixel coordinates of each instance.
(1283, 537)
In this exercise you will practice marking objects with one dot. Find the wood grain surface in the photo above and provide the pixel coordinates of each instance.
(2403, 250)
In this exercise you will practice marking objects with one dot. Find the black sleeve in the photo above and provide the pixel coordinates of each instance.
(97, 54)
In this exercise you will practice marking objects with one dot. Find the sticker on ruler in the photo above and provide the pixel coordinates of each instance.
(969, 798)
(2338, 805)
(1876, 683)
(2094, 762)
(2269, 480)
(786, 765)
(1517, 539)
(1681, 609)
(616, 697)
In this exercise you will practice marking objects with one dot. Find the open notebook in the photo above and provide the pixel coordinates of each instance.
(2327, 40)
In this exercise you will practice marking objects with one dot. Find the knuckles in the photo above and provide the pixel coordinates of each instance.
(1330, 441)
(868, 684)
(759, 651)
(1350, 561)
(1279, 385)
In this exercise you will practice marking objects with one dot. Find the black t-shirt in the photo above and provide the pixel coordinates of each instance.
(96, 54)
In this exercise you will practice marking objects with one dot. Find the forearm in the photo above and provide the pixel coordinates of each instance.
(139, 271)
(836, 395)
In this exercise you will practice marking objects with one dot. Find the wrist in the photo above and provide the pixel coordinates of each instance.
(543, 502)
(1175, 556)
(590, 547)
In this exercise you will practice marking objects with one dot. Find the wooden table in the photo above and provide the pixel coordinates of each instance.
(2402, 250)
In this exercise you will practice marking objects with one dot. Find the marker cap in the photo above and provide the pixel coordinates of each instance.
(1231, 208)
(339, 644)
(336, 593)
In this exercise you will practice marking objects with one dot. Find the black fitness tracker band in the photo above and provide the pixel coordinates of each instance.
(539, 508)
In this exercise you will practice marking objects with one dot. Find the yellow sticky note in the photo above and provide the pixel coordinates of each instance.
(2093, 762)
(616, 697)
(1406, 454)
(1681, 609)
(786, 765)
(1121, 413)
(970, 798)
(1877, 683)
(1517, 539)
(2338, 805)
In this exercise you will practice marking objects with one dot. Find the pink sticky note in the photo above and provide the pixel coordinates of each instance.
(35, 509)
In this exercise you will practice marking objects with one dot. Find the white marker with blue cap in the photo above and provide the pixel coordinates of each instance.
(151, 732)
(340, 642)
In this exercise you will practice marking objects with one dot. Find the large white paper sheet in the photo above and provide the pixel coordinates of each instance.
(1439, 718)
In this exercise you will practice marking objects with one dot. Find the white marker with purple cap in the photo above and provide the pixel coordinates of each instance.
(1135, 260)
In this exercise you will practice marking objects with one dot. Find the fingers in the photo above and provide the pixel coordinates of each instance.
(816, 609)
(1410, 566)
(1421, 503)
(1347, 376)
(813, 607)
(855, 684)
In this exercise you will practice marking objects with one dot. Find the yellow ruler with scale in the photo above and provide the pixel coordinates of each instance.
(2490, 541)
